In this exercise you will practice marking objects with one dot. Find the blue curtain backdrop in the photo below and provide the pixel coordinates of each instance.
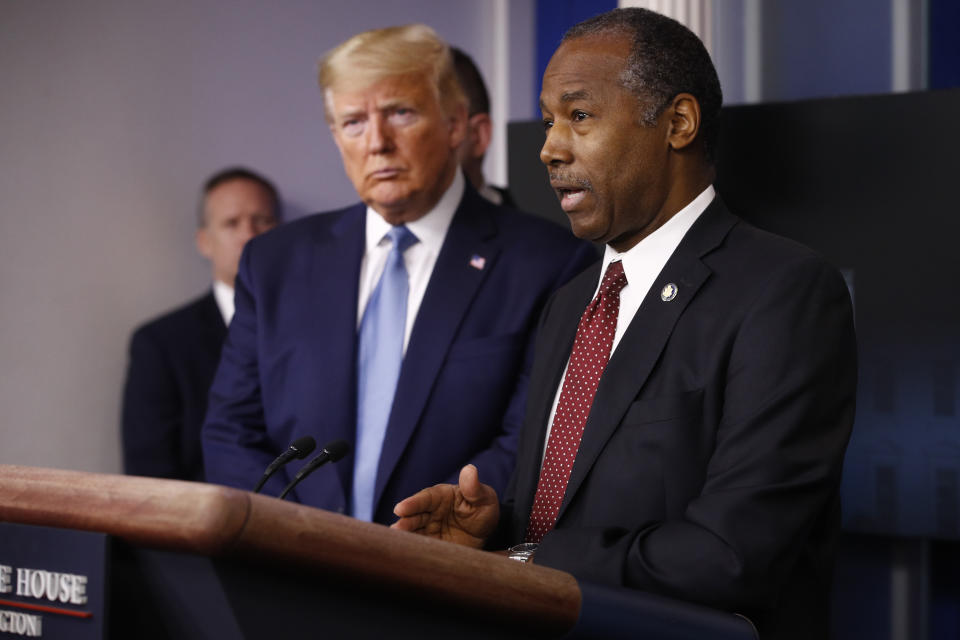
(944, 60)
(554, 17)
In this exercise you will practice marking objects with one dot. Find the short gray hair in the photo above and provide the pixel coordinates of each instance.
(666, 59)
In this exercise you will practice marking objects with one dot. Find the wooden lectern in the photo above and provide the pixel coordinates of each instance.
(199, 560)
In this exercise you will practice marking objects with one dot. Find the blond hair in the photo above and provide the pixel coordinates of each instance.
(371, 56)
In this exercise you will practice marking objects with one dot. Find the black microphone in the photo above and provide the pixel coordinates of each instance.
(331, 453)
(300, 449)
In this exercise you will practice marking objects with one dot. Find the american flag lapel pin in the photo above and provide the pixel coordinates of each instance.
(478, 262)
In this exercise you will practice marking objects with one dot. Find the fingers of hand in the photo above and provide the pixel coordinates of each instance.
(417, 523)
(470, 486)
(438, 498)
(469, 476)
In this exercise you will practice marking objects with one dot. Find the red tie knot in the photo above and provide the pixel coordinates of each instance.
(614, 280)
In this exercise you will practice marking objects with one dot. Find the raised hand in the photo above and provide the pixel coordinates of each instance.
(465, 514)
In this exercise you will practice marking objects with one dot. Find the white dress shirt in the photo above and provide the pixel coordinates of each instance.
(642, 264)
(419, 259)
(223, 294)
(491, 194)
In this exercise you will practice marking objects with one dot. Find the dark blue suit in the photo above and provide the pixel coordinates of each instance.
(289, 364)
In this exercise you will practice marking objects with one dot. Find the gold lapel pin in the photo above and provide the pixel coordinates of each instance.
(669, 292)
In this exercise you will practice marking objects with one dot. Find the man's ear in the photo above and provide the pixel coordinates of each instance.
(458, 126)
(684, 113)
(203, 242)
(480, 133)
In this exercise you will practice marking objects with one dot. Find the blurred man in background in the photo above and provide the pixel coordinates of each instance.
(173, 357)
(479, 129)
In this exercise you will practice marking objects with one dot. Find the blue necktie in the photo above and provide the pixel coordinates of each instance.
(378, 367)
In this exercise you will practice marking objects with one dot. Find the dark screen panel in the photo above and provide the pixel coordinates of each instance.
(528, 177)
(872, 184)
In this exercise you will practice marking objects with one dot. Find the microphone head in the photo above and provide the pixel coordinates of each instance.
(303, 446)
(337, 449)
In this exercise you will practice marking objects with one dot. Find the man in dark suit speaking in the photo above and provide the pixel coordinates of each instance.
(691, 397)
(400, 324)
(173, 357)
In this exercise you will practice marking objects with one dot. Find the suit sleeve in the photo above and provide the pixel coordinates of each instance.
(235, 446)
(785, 415)
(152, 414)
(497, 462)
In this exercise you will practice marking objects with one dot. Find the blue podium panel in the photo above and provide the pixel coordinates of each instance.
(609, 613)
(52, 583)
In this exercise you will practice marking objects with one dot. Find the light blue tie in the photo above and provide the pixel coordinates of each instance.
(378, 367)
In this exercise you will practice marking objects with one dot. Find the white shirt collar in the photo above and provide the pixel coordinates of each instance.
(644, 261)
(223, 294)
(491, 194)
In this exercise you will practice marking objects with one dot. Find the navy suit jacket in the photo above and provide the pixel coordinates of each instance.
(710, 464)
(289, 363)
(172, 362)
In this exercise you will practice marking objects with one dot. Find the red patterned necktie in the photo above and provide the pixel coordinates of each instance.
(591, 350)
